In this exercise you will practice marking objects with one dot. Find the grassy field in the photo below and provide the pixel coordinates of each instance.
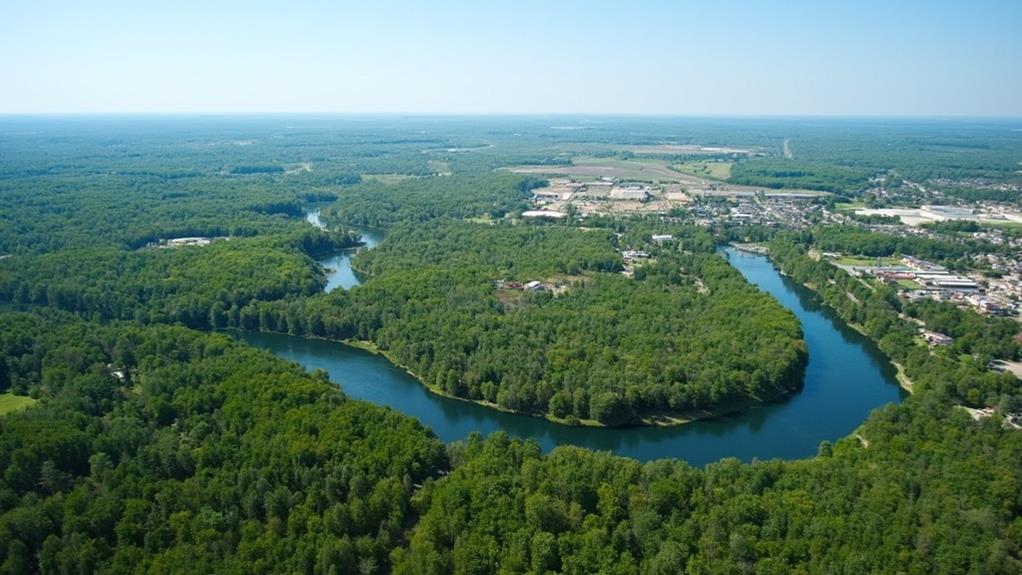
(850, 205)
(643, 170)
(908, 284)
(711, 170)
(10, 402)
(999, 224)
(387, 178)
(864, 261)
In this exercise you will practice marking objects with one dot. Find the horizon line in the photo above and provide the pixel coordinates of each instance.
(437, 114)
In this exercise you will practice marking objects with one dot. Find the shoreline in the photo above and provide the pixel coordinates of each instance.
(668, 419)
(900, 376)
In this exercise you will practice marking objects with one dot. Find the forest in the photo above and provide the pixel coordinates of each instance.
(156, 444)
(779, 173)
(874, 244)
(161, 449)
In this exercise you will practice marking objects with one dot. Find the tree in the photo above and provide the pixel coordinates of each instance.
(608, 408)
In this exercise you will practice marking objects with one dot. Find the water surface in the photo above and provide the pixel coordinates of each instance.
(338, 266)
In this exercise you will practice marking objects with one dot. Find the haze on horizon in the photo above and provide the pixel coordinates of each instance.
(400, 56)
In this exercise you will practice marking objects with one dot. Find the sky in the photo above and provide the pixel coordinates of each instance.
(859, 58)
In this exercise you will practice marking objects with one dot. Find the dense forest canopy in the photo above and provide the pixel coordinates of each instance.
(162, 450)
(207, 455)
(153, 448)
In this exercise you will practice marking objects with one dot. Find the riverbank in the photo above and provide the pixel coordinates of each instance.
(845, 378)
(901, 376)
(667, 419)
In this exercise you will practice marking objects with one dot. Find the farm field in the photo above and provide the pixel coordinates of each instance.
(712, 170)
(864, 261)
(668, 149)
(656, 171)
(643, 170)
(850, 205)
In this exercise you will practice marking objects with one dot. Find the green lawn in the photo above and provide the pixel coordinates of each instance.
(10, 402)
(1004, 225)
(864, 261)
(908, 284)
(850, 205)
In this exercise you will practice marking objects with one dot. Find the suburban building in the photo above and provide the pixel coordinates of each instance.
(934, 338)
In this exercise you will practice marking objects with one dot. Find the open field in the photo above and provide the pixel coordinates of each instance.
(643, 170)
(864, 261)
(685, 149)
(656, 171)
(440, 167)
(388, 178)
(582, 148)
(1001, 224)
(712, 170)
(10, 402)
(849, 205)
(934, 214)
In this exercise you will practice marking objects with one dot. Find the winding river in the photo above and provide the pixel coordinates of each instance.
(338, 266)
(845, 379)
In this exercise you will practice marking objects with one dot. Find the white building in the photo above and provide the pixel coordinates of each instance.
(543, 214)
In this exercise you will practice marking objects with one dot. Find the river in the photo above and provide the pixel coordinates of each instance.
(338, 266)
(845, 379)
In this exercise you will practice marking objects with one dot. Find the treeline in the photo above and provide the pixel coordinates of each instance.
(793, 174)
(424, 199)
(954, 226)
(165, 450)
(891, 507)
(982, 194)
(68, 185)
(257, 169)
(194, 286)
(43, 215)
(864, 242)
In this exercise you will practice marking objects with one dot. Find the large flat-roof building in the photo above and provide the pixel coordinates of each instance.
(634, 192)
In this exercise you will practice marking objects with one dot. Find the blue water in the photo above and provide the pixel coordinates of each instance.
(338, 266)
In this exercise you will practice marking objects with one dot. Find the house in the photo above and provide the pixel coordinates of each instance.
(663, 239)
(634, 254)
(197, 241)
(934, 338)
(546, 196)
(535, 286)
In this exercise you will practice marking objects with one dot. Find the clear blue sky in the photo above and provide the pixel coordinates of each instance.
(638, 57)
